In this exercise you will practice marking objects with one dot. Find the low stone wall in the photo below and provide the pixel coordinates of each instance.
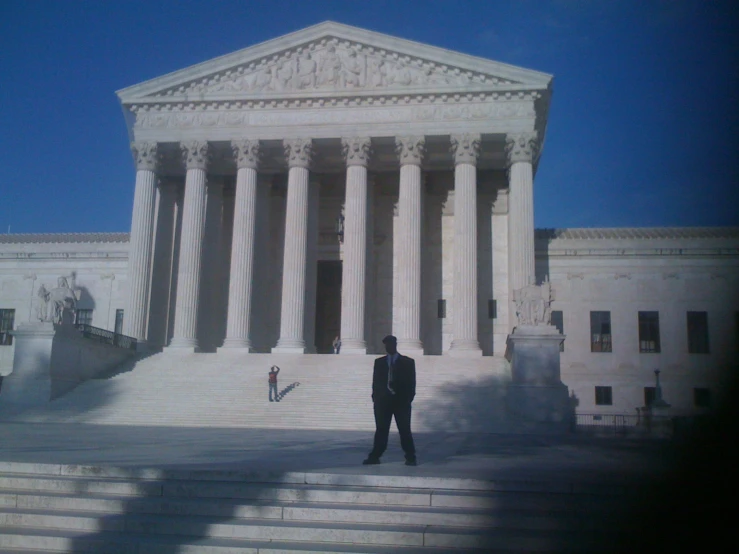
(51, 360)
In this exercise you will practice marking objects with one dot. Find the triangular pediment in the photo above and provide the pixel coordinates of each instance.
(329, 59)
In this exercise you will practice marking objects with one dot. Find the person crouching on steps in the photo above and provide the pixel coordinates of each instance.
(273, 371)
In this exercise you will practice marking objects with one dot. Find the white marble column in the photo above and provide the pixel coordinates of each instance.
(354, 273)
(196, 156)
(292, 312)
(410, 152)
(521, 151)
(242, 245)
(464, 308)
(142, 232)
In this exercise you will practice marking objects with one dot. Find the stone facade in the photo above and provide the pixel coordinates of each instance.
(340, 182)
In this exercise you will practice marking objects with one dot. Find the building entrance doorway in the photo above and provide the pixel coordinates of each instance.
(328, 305)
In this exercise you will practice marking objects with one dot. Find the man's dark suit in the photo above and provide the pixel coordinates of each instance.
(388, 404)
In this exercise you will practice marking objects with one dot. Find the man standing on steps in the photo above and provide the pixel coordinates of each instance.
(393, 390)
(273, 371)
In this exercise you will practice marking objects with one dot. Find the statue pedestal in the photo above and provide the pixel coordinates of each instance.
(536, 394)
(30, 382)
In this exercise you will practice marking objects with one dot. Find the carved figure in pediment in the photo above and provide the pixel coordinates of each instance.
(330, 67)
(306, 71)
(398, 74)
(282, 76)
(376, 72)
(353, 69)
(261, 80)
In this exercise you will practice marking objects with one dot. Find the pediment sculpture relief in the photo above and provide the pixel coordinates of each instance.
(331, 65)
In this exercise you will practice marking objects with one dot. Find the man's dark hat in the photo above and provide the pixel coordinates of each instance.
(390, 338)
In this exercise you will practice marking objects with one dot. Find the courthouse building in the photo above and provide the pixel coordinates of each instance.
(337, 182)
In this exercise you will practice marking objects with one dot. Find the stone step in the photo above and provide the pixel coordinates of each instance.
(497, 513)
(435, 540)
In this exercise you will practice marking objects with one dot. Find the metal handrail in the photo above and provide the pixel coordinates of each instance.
(107, 337)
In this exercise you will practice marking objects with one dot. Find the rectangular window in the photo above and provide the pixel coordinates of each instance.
(492, 309)
(83, 317)
(698, 332)
(600, 331)
(702, 398)
(603, 396)
(7, 320)
(649, 332)
(559, 322)
(649, 394)
(441, 308)
(119, 322)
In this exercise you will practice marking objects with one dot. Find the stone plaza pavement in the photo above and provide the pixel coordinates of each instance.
(490, 457)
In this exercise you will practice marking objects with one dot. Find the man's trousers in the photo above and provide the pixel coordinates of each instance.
(385, 410)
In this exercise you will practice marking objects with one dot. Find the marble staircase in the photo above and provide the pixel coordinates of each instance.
(70, 508)
(317, 392)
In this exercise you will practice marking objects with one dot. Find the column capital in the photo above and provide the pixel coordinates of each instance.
(195, 154)
(410, 150)
(247, 153)
(521, 147)
(299, 152)
(465, 148)
(356, 150)
(146, 155)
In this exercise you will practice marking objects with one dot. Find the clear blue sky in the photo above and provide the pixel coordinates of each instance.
(642, 130)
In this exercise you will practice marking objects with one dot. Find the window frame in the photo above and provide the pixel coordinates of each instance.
(559, 319)
(7, 324)
(597, 323)
(703, 392)
(698, 339)
(86, 312)
(649, 332)
(601, 398)
(649, 392)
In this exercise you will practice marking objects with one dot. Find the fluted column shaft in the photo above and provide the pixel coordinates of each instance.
(292, 312)
(242, 246)
(142, 233)
(464, 322)
(521, 150)
(353, 285)
(410, 150)
(191, 246)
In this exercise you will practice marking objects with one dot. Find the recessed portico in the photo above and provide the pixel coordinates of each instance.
(426, 154)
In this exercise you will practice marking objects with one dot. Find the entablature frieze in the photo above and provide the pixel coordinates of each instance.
(216, 123)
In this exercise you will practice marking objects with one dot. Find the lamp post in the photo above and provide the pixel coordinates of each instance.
(658, 401)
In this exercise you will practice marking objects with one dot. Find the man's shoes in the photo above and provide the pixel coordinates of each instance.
(271, 400)
(411, 462)
(371, 461)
